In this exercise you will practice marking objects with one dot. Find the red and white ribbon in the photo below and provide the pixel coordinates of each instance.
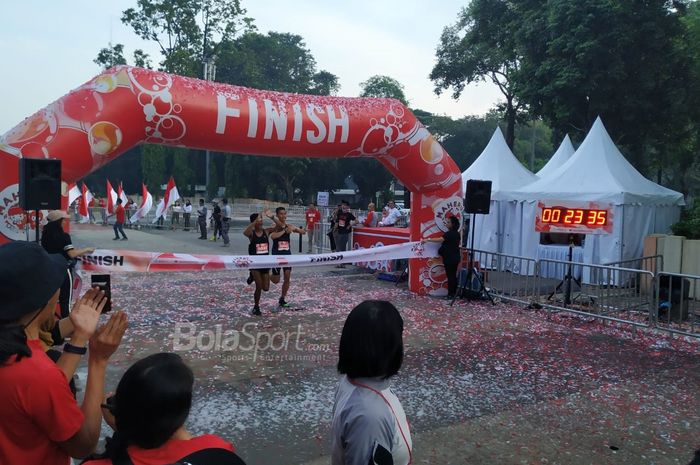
(119, 261)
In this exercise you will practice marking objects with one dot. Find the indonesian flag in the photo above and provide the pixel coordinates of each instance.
(146, 205)
(73, 193)
(171, 195)
(121, 194)
(85, 199)
(111, 198)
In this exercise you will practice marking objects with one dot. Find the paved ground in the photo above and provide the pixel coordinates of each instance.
(481, 384)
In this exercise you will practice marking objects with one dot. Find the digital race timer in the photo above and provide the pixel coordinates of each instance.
(568, 216)
(573, 217)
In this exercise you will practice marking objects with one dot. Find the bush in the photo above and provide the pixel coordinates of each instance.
(689, 224)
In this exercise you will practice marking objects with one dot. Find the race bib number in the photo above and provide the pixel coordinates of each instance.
(283, 245)
(341, 223)
(261, 249)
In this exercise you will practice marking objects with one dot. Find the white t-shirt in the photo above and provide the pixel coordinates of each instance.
(369, 424)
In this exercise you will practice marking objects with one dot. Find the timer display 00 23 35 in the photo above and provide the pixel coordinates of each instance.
(571, 219)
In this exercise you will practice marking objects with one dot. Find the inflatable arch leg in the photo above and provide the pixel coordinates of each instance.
(127, 106)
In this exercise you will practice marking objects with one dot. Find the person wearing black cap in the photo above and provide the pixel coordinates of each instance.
(40, 421)
(55, 240)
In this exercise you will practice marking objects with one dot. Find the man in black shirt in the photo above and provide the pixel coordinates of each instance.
(282, 245)
(216, 217)
(345, 220)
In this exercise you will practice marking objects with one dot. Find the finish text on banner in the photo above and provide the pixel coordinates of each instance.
(116, 261)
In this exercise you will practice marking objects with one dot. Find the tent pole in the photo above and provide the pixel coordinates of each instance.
(622, 233)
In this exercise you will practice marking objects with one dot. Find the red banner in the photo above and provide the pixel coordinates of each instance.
(126, 106)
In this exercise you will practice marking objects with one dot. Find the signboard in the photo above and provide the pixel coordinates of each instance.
(322, 199)
(573, 217)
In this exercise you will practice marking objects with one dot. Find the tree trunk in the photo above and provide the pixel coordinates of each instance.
(510, 123)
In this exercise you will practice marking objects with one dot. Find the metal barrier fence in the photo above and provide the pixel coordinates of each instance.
(501, 275)
(633, 295)
(676, 300)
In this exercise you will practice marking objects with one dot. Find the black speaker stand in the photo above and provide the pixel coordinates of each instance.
(472, 272)
(568, 277)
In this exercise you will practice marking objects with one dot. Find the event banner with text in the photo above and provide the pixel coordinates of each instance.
(119, 261)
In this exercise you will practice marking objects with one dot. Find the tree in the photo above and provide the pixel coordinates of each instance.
(153, 166)
(383, 87)
(481, 47)
(113, 55)
(324, 83)
(188, 32)
(620, 60)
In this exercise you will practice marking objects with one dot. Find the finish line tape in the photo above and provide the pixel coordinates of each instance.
(122, 261)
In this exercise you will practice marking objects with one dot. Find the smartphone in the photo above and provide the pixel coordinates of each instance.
(103, 282)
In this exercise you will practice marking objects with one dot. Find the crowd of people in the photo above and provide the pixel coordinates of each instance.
(41, 421)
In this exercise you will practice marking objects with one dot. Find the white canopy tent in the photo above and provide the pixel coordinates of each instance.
(498, 165)
(597, 172)
(561, 156)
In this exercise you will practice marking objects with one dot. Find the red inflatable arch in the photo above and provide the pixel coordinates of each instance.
(126, 106)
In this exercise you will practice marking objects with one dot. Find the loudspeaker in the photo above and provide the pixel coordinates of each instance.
(406, 198)
(39, 184)
(478, 197)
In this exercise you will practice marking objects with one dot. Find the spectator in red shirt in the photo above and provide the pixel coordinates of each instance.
(313, 218)
(40, 421)
(371, 219)
(148, 414)
(119, 223)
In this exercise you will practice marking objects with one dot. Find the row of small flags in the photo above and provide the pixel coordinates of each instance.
(85, 196)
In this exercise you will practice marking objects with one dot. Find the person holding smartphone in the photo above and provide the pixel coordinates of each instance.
(40, 420)
(56, 241)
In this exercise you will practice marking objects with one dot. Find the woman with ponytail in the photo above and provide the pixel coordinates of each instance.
(148, 413)
(40, 421)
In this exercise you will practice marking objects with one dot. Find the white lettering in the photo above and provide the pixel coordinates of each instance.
(253, 118)
(342, 121)
(275, 118)
(311, 110)
(225, 112)
(298, 122)
(179, 333)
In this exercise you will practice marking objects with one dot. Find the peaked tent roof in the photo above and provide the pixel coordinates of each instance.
(498, 165)
(598, 172)
(561, 156)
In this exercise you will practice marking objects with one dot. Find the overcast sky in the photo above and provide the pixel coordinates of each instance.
(47, 48)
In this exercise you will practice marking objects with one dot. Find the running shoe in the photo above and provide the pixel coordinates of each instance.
(284, 304)
(250, 279)
(256, 311)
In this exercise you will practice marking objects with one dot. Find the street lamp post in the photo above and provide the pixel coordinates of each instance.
(209, 75)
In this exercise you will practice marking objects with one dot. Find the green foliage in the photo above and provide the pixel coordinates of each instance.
(689, 225)
(111, 56)
(383, 87)
(187, 32)
(481, 47)
(153, 167)
(114, 55)
(617, 60)
(182, 170)
(272, 61)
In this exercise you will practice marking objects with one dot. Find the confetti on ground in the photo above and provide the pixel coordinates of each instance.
(480, 383)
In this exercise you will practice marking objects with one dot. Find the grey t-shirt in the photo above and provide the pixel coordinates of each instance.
(369, 424)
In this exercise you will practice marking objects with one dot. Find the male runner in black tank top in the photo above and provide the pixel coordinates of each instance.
(259, 245)
(282, 245)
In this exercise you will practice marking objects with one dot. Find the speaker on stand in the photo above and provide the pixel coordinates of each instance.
(39, 186)
(477, 201)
